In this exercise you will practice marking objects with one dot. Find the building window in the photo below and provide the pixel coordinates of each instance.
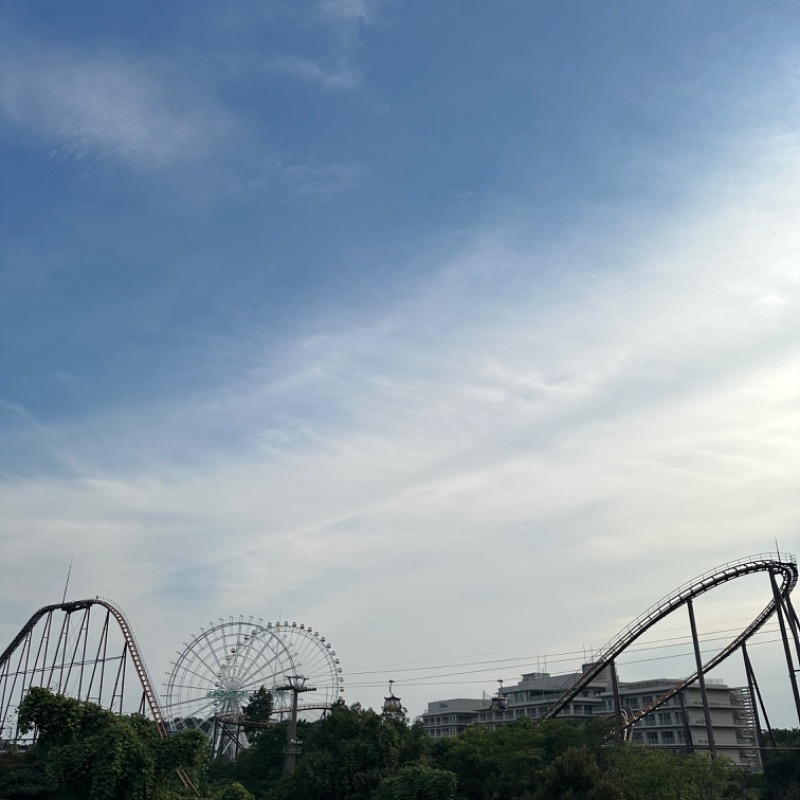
(652, 737)
(667, 737)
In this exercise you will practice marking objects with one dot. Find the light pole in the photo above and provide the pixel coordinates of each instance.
(296, 684)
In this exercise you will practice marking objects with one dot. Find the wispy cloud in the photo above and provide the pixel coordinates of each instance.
(519, 424)
(106, 106)
(347, 10)
(336, 70)
(341, 75)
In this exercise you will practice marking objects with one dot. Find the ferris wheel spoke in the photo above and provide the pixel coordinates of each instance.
(210, 643)
(199, 657)
(256, 665)
(246, 654)
(193, 687)
(225, 638)
(256, 684)
(220, 668)
(262, 680)
(198, 712)
(194, 700)
(265, 645)
(249, 664)
(203, 678)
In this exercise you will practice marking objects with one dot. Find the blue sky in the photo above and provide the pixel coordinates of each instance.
(397, 315)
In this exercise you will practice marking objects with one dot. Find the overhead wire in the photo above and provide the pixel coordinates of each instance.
(545, 653)
(425, 680)
(565, 656)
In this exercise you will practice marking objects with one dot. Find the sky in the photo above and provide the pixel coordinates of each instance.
(459, 331)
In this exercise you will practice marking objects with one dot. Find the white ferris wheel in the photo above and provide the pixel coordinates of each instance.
(219, 669)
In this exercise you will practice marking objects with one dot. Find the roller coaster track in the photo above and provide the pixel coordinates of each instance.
(23, 642)
(127, 633)
(782, 565)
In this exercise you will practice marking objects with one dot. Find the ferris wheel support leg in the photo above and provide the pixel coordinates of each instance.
(786, 649)
(617, 706)
(712, 745)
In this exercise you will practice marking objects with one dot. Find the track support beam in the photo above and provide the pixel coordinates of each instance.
(701, 680)
(617, 705)
(751, 687)
(786, 648)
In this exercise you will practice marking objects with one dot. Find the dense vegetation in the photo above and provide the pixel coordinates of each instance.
(85, 753)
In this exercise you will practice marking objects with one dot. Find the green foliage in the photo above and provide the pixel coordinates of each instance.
(649, 774)
(85, 753)
(258, 711)
(508, 762)
(707, 778)
(98, 755)
(259, 767)
(22, 777)
(418, 782)
(575, 775)
(782, 767)
(234, 791)
(348, 754)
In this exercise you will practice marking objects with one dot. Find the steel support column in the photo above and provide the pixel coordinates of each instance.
(617, 706)
(794, 624)
(786, 649)
(712, 745)
(687, 730)
(748, 668)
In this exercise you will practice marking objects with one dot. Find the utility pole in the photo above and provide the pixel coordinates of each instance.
(296, 684)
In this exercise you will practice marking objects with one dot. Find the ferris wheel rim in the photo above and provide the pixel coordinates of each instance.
(220, 667)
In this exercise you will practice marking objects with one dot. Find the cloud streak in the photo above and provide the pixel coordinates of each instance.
(106, 106)
(504, 420)
(341, 76)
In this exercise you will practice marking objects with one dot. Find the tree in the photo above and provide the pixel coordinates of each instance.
(234, 791)
(346, 756)
(258, 767)
(782, 766)
(509, 761)
(22, 777)
(418, 782)
(575, 775)
(258, 711)
(98, 755)
(645, 773)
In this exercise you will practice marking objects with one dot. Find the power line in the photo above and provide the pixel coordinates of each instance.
(544, 653)
(425, 679)
(557, 658)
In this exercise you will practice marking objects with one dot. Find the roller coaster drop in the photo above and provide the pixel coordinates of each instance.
(86, 649)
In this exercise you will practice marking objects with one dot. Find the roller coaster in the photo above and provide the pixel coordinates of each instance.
(86, 649)
(781, 567)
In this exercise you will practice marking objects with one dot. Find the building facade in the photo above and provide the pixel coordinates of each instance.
(678, 724)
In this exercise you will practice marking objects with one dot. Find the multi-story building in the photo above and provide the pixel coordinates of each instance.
(450, 717)
(679, 723)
